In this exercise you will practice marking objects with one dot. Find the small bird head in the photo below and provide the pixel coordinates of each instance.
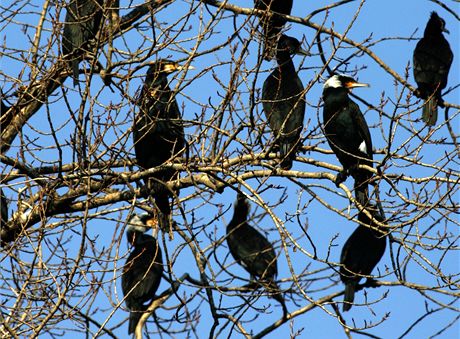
(436, 24)
(292, 45)
(162, 68)
(343, 81)
(139, 224)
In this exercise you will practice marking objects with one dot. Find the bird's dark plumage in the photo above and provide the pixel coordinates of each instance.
(3, 208)
(432, 60)
(143, 269)
(283, 100)
(347, 133)
(272, 23)
(360, 254)
(82, 23)
(252, 250)
(159, 133)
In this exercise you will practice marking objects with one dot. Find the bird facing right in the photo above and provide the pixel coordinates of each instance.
(347, 133)
(159, 133)
(143, 269)
(432, 60)
(283, 100)
(361, 253)
(253, 251)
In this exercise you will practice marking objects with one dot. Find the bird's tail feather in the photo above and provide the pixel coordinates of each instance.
(75, 72)
(276, 294)
(164, 210)
(287, 155)
(349, 295)
(362, 186)
(430, 111)
(134, 316)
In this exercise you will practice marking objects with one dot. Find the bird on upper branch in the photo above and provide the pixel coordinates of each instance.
(347, 133)
(283, 100)
(82, 23)
(432, 60)
(272, 23)
(159, 134)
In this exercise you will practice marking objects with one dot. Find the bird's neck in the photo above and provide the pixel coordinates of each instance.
(284, 61)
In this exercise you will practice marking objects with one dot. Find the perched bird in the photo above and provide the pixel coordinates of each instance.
(360, 254)
(253, 251)
(272, 23)
(432, 60)
(143, 269)
(82, 23)
(3, 208)
(159, 133)
(283, 100)
(347, 133)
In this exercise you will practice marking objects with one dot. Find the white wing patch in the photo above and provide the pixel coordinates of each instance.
(362, 147)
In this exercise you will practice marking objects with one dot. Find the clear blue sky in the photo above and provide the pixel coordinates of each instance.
(376, 20)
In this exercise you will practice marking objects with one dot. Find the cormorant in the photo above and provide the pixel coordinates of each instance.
(3, 208)
(283, 100)
(82, 23)
(272, 23)
(159, 133)
(143, 269)
(432, 60)
(253, 251)
(360, 254)
(347, 133)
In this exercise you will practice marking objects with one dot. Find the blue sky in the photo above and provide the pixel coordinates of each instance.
(300, 213)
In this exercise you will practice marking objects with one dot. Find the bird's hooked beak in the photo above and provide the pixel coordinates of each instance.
(302, 51)
(181, 67)
(174, 67)
(445, 30)
(351, 84)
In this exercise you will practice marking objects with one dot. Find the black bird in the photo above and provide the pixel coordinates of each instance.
(253, 251)
(143, 269)
(272, 23)
(82, 23)
(360, 254)
(432, 60)
(159, 133)
(347, 133)
(3, 208)
(283, 100)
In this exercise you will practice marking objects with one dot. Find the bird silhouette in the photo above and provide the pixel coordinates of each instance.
(283, 100)
(272, 23)
(143, 269)
(159, 133)
(361, 253)
(432, 60)
(82, 23)
(347, 133)
(253, 251)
